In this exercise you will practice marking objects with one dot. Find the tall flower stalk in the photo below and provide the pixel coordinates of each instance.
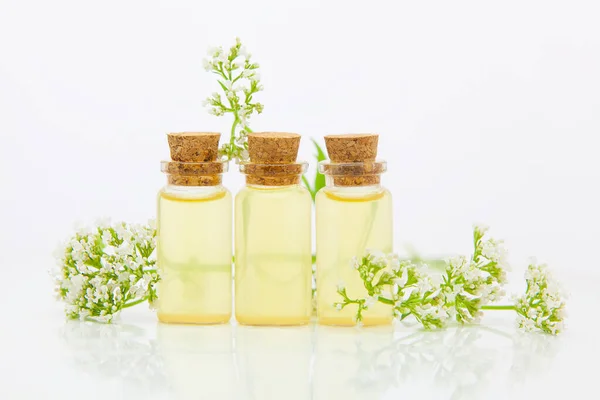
(239, 80)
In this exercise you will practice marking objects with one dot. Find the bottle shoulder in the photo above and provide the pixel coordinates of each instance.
(353, 194)
(274, 192)
(194, 193)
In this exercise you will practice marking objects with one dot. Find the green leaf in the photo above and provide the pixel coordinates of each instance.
(307, 184)
(319, 180)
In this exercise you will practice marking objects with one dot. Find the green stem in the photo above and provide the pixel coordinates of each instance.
(499, 307)
(135, 303)
(385, 301)
(235, 122)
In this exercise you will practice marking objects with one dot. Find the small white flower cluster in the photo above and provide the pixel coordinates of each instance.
(542, 307)
(399, 283)
(469, 284)
(238, 87)
(105, 269)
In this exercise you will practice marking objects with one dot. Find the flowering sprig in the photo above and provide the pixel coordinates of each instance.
(239, 79)
(470, 284)
(467, 287)
(106, 269)
(542, 307)
(402, 285)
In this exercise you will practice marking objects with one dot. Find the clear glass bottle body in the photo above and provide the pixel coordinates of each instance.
(194, 254)
(273, 260)
(350, 220)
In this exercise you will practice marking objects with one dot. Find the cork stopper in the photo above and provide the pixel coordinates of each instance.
(353, 160)
(352, 148)
(273, 159)
(273, 147)
(194, 146)
(194, 156)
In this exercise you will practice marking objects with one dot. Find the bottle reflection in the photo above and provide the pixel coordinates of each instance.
(320, 363)
(274, 363)
(198, 360)
(346, 363)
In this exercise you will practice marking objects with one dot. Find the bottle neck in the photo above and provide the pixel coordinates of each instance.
(355, 174)
(372, 188)
(273, 181)
(353, 181)
(271, 187)
(195, 180)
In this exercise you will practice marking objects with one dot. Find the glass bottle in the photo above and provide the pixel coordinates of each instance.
(273, 260)
(353, 214)
(194, 233)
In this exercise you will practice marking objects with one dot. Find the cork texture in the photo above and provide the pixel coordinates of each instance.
(194, 146)
(273, 170)
(272, 180)
(273, 159)
(365, 180)
(273, 147)
(194, 180)
(194, 156)
(182, 168)
(352, 148)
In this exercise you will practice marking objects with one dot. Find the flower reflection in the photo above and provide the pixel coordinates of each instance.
(311, 362)
(120, 353)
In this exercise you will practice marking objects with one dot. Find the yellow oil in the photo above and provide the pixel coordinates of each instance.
(349, 221)
(194, 255)
(273, 255)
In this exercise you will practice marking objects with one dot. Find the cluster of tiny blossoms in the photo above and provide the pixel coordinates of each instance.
(401, 284)
(106, 269)
(239, 79)
(542, 307)
(466, 288)
(470, 284)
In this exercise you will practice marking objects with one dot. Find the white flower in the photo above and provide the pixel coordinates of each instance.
(494, 251)
(424, 285)
(124, 276)
(214, 51)
(207, 64)
(101, 296)
(543, 305)
(222, 57)
(377, 256)
(394, 263)
(341, 285)
(401, 281)
(481, 228)
(338, 306)
(244, 52)
(370, 300)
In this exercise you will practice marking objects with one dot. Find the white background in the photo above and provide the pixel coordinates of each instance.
(487, 112)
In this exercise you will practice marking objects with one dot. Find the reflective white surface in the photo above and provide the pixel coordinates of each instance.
(44, 356)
